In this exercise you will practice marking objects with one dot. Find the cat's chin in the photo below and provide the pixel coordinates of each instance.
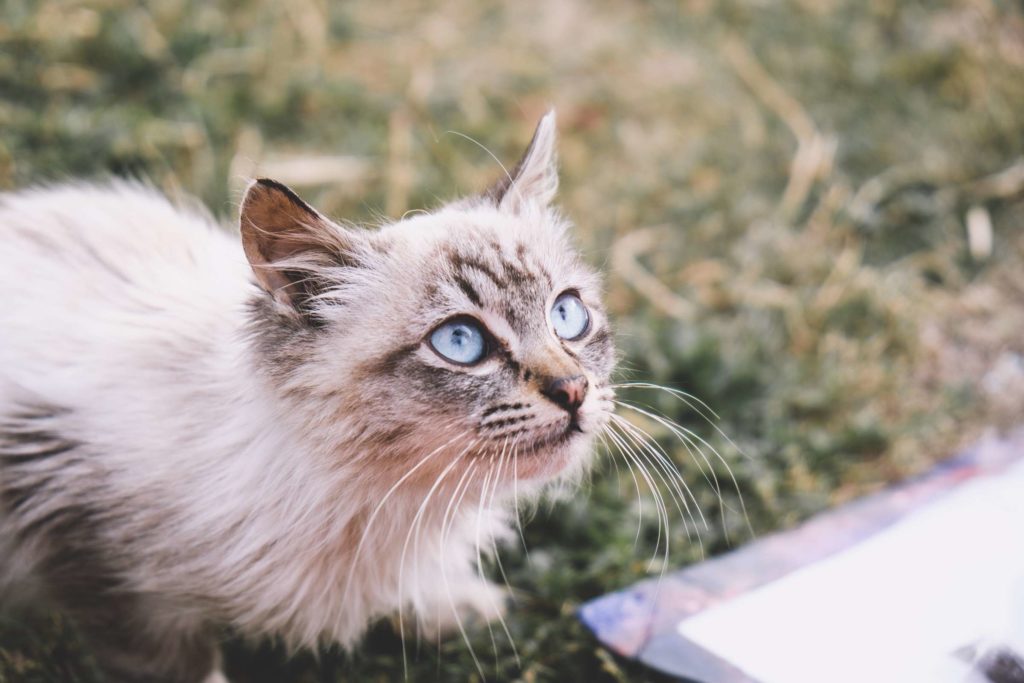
(552, 455)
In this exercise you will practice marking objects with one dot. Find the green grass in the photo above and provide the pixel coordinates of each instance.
(777, 191)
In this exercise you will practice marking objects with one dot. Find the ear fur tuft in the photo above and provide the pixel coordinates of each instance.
(285, 239)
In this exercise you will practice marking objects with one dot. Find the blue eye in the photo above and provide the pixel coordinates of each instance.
(569, 316)
(460, 341)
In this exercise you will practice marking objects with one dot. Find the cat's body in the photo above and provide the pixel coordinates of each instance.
(196, 434)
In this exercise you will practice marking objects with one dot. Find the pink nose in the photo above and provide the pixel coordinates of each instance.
(568, 392)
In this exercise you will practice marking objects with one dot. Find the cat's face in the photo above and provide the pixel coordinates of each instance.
(474, 332)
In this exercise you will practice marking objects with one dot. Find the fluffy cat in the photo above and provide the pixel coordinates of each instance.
(291, 434)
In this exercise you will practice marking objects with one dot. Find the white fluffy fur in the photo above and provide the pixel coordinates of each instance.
(131, 314)
(178, 422)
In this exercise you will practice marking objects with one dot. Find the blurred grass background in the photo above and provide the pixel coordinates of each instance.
(809, 211)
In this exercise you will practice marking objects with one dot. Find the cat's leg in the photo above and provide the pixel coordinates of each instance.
(155, 658)
(458, 595)
(131, 646)
(463, 602)
(135, 637)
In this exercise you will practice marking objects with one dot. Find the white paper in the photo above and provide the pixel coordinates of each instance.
(893, 608)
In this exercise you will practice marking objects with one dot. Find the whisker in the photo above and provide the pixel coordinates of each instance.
(674, 492)
(380, 505)
(639, 498)
(684, 434)
(515, 496)
(694, 451)
(659, 504)
(678, 393)
(479, 144)
(623, 425)
(655, 449)
(686, 398)
(501, 569)
(670, 475)
(450, 510)
(479, 557)
(494, 544)
(413, 528)
(697, 456)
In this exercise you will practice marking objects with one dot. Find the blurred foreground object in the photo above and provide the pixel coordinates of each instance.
(922, 582)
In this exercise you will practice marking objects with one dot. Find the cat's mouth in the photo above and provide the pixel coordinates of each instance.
(548, 452)
(541, 449)
(552, 438)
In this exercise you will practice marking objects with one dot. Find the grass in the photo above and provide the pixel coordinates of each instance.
(779, 193)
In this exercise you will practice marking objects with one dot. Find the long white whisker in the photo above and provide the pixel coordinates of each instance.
(446, 527)
(668, 474)
(639, 498)
(501, 568)
(678, 487)
(479, 556)
(515, 496)
(479, 144)
(686, 437)
(405, 547)
(651, 446)
(383, 500)
(682, 433)
(494, 543)
(678, 393)
(662, 511)
(696, 454)
(686, 398)
(504, 458)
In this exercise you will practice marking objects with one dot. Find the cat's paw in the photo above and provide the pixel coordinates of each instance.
(475, 602)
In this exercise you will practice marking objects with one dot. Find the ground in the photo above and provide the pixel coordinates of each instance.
(809, 212)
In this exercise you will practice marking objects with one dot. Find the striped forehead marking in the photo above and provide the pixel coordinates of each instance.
(507, 275)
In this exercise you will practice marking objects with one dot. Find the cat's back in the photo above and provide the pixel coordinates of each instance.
(93, 276)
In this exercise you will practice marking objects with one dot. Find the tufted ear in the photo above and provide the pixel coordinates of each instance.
(288, 243)
(534, 180)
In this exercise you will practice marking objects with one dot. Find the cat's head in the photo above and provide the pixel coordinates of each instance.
(471, 333)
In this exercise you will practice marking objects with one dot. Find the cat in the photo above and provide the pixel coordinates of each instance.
(290, 434)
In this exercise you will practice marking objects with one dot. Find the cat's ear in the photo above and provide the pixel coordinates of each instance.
(288, 243)
(534, 180)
